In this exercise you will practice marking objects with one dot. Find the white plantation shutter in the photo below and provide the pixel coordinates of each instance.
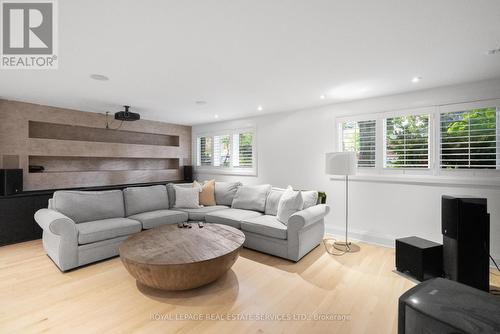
(359, 137)
(205, 155)
(407, 142)
(234, 152)
(222, 151)
(470, 139)
(245, 148)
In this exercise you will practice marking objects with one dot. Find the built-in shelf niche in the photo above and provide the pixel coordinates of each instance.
(58, 164)
(56, 131)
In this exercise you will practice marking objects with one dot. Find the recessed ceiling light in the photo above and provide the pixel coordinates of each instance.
(259, 108)
(200, 102)
(216, 116)
(99, 77)
(416, 79)
(322, 97)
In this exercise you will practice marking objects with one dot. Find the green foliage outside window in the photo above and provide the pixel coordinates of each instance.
(407, 142)
(469, 139)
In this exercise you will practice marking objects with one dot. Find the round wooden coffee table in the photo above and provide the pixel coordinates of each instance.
(173, 258)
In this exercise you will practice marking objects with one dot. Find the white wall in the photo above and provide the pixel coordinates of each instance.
(291, 149)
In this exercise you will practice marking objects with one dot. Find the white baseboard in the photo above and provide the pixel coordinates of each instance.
(364, 236)
(372, 238)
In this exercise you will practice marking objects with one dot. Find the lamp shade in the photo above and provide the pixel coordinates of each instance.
(341, 163)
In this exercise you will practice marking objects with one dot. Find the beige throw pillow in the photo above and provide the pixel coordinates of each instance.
(207, 194)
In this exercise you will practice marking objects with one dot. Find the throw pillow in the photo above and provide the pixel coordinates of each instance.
(171, 192)
(251, 197)
(290, 202)
(187, 198)
(207, 194)
(225, 191)
(310, 198)
(272, 201)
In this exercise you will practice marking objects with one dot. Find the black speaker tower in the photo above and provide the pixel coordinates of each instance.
(188, 173)
(11, 181)
(466, 240)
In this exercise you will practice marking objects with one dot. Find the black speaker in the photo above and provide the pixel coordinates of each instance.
(188, 173)
(419, 258)
(11, 181)
(466, 240)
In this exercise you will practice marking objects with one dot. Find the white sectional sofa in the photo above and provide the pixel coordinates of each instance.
(82, 227)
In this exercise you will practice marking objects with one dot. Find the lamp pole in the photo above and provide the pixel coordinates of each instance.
(346, 210)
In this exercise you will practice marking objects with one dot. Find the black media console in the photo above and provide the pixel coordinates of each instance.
(17, 211)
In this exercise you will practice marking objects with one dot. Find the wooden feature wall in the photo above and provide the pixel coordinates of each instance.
(77, 150)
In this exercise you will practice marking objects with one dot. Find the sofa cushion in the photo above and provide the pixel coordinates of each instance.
(290, 202)
(272, 201)
(225, 191)
(267, 225)
(99, 230)
(84, 206)
(144, 199)
(160, 217)
(231, 217)
(199, 214)
(251, 197)
(310, 198)
(171, 192)
(207, 193)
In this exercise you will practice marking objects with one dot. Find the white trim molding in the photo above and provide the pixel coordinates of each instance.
(231, 169)
(434, 173)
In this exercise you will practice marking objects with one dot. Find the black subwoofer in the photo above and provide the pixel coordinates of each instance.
(11, 181)
(466, 240)
(419, 258)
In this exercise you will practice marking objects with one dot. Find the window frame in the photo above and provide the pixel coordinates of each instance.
(430, 111)
(340, 136)
(231, 170)
(434, 140)
(465, 107)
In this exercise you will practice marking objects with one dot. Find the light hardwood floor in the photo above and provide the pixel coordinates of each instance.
(103, 298)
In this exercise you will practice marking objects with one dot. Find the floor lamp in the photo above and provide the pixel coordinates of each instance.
(342, 163)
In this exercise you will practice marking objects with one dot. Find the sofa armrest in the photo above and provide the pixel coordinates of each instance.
(55, 222)
(308, 216)
(60, 238)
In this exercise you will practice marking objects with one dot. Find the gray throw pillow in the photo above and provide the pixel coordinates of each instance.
(171, 192)
(310, 198)
(290, 202)
(251, 197)
(272, 201)
(187, 198)
(225, 191)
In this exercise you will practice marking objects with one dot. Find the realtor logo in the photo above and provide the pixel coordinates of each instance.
(29, 34)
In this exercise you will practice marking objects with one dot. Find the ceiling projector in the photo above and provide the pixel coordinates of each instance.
(127, 115)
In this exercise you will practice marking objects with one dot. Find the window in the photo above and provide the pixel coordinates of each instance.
(243, 154)
(359, 137)
(470, 139)
(222, 150)
(456, 140)
(205, 151)
(407, 142)
(227, 152)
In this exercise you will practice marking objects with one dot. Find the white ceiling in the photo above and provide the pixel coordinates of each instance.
(162, 56)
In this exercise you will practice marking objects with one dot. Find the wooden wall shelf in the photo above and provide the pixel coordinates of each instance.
(58, 164)
(76, 150)
(44, 130)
